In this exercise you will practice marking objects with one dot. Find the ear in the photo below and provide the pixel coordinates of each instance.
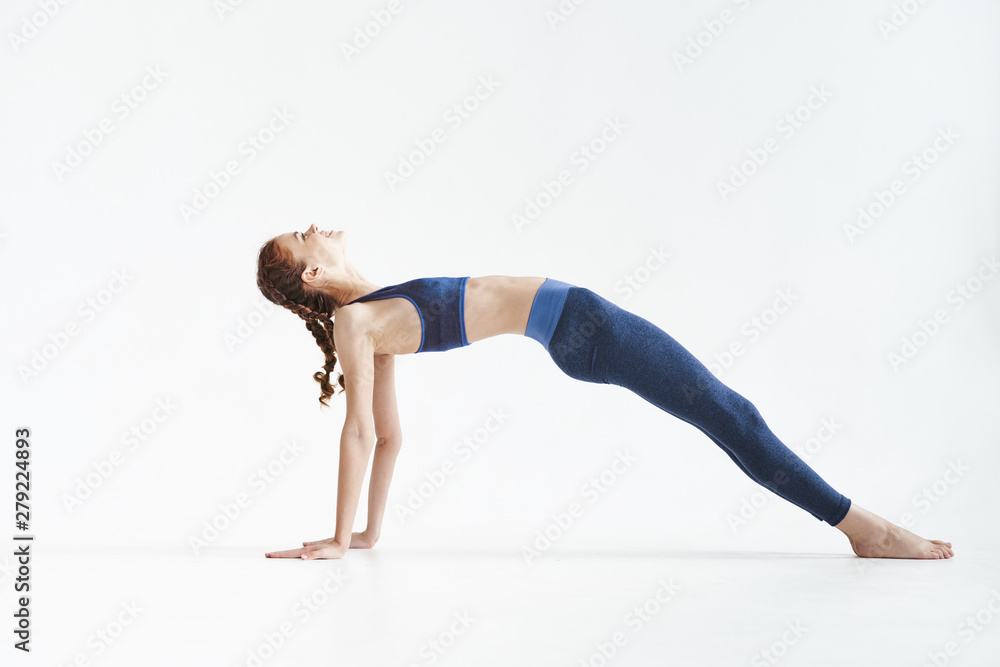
(312, 274)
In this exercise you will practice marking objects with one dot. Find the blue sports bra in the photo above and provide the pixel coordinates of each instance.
(440, 302)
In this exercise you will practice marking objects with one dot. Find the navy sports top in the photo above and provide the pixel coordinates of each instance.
(440, 302)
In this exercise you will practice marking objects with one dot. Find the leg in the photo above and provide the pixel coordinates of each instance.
(747, 472)
(597, 341)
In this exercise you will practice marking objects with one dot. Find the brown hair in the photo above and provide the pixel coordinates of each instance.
(279, 278)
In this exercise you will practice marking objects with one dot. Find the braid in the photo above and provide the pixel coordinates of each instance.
(275, 267)
(322, 330)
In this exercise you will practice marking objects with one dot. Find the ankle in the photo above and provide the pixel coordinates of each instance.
(852, 521)
(859, 522)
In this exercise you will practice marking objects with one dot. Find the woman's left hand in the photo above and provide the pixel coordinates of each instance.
(311, 552)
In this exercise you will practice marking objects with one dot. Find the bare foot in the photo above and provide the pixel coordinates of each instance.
(872, 536)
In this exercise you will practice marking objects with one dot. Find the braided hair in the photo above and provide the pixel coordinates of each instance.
(279, 278)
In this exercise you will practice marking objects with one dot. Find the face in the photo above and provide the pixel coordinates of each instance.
(317, 248)
(314, 246)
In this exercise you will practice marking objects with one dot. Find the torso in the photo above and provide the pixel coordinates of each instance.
(493, 305)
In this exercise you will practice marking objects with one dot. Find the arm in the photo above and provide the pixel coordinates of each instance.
(389, 441)
(354, 454)
(357, 358)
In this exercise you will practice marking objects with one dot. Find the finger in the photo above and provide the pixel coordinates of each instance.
(288, 553)
(312, 553)
(322, 552)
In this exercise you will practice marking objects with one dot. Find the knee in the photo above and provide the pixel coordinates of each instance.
(737, 410)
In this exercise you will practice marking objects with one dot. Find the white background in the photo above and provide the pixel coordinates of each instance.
(168, 335)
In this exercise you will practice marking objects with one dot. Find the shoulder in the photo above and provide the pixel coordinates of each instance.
(352, 339)
(355, 314)
(352, 321)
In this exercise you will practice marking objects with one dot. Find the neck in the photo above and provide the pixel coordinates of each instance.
(356, 289)
(349, 286)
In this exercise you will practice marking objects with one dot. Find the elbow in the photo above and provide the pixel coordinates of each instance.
(391, 443)
(358, 433)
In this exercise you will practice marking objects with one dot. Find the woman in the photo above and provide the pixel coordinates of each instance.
(588, 337)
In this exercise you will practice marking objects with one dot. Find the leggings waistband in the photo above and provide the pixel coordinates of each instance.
(546, 309)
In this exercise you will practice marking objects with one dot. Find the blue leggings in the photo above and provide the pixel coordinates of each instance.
(592, 339)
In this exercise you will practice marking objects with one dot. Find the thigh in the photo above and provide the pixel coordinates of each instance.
(634, 353)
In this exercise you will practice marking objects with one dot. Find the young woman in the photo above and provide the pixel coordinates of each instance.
(588, 337)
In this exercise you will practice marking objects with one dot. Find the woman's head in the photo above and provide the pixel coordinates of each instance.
(303, 272)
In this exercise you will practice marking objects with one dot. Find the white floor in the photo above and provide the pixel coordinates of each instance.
(399, 608)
